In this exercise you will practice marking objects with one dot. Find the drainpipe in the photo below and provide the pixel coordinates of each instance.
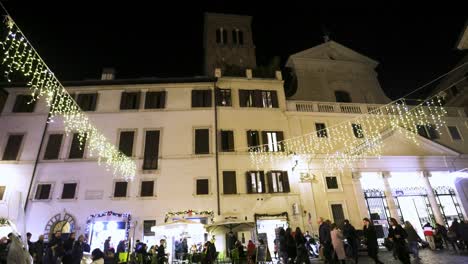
(216, 146)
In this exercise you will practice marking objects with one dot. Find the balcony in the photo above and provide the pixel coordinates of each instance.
(353, 108)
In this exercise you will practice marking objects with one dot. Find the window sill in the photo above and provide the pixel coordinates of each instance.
(202, 195)
(201, 107)
(9, 161)
(67, 199)
(202, 155)
(147, 197)
(129, 110)
(119, 198)
(334, 190)
(41, 200)
(149, 171)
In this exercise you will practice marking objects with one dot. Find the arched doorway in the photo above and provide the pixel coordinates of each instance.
(65, 223)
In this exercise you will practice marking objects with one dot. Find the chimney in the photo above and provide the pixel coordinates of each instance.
(108, 74)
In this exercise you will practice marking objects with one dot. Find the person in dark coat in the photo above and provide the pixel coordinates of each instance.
(31, 250)
(442, 232)
(55, 248)
(68, 247)
(77, 250)
(39, 250)
(107, 245)
(283, 248)
(302, 255)
(398, 236)
(413, 239)
(454, 233)
(349, 232)
(161, 252)
(325, 240)
(290, 245)
(370, 236)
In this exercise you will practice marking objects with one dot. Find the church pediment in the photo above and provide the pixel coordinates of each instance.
(332, 51)
(397, 144)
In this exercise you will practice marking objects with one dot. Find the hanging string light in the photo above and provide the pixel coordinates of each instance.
(20, 57)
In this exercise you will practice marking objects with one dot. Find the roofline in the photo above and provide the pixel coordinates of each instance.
(462, 33)
(232, 16)
(123, 81)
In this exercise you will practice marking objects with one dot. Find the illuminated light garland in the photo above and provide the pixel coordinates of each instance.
(20, 57)
(189, 213)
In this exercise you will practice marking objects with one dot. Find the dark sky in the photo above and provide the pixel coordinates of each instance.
(139, 39)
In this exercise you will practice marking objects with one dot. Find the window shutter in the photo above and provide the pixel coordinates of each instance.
(53, 146)
(123, 101)
(218, 98)
(224, 36)
(150, 161)
(69, 190)
(241, 37)
(270, 182)
(280, 138)
(77, 150)
(338, 214)
(243, 98)
(258, 100)
(137, 100)
(202, 144)
(262, 181)
(229, 182)
(248, 179)
(231, 140)
(285, 179)
(274, 99)
(208, 98)
(12, 148)
(264, 141)
(120, 189)
(194, 98)
(93, 101)
(162, 99)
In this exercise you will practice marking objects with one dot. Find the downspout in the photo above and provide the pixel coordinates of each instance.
(216, 145)
(36, 162)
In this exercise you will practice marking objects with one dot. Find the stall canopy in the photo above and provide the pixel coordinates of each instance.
(229, 225)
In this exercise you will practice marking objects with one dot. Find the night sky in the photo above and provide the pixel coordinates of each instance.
(139, 39)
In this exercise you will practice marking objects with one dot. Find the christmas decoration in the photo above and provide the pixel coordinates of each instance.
(20, 58)
(189, 213)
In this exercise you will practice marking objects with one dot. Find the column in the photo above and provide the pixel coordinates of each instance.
(359, 194)
(389, 196)
(431, 197)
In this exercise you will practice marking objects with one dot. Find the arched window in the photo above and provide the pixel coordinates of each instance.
(234, 36)
(342, 97)
(218, 35)
(241, 37)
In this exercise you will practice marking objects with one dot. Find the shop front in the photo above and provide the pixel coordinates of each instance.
(268, 226)
(101, 226)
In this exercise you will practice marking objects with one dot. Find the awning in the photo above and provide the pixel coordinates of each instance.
(229, 225)
(177, 227)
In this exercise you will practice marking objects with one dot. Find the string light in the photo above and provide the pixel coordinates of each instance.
(20, 57)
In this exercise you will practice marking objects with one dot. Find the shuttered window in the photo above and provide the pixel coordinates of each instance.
(253, 139)
(258, 98)
(69, 190)
(43, 191)
(338, 214)
(120, 189)
(87, 102)
(155, 100)
(202, 141)
(223, 97)
(202, 187)
(332, 182)
(321, 130)
(201, 98)
(77, 150)
(150, 160)
(126, 142)
(229, 182)
(278, 182)
(12, 148)
(255, 182)
(24, 104)
(54, 143)
(130, 100)
(454, 133)
(357, 130)
(227, 141)
(273, 140)
(147, 188)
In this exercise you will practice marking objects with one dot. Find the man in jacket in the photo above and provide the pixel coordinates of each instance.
(325, 239)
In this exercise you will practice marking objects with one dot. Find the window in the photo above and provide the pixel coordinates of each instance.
(87, 102)
(258, 98)
(77, 149)
(12, 148)
(218, 35)
(357, 130)
(338, 213)
(69, 190)
(229, 182)
(201, 98)
(278, 182)
(130, 100)
(342, 97)
(234, 36)
(120, 189)
(24, 104)
(454, 132)
(253, 139)
(147, 188)
(2, 192)
(332, 182)
(53, 147)
(224, 36)
(202, 187)
(202, 141)
(43, 191)
(321, 130)
(147, 224)
(150, 160)
(155, 100)
(223, 97)
(126, 142)
(227, 141)
(272, 140)
(255, 182)
(427, 131)
(241, 37)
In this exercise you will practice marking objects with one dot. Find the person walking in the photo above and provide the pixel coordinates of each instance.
(442, 231)
(290, 246)
(338, 243)
(413, 239)
(349, 232)
(302, 255)
(398, 236)
(325, 240)
(283, 248)
(370, 236)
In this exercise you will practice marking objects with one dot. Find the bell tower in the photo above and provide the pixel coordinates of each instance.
(228, 43)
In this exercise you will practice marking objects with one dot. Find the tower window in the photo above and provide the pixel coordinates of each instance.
(224, 36)
(234, 36)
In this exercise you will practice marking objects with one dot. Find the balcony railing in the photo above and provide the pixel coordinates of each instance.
(354, 108)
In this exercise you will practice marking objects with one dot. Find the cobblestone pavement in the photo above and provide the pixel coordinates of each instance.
(427, 257)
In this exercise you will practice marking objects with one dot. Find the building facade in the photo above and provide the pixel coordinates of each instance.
(191, 139)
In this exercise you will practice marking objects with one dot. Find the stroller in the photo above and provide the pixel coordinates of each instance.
(312, 246)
